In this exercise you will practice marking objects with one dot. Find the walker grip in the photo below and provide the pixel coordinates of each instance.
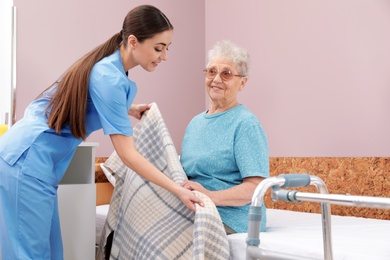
(295, 180)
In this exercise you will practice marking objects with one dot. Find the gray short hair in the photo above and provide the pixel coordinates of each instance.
(230, 51)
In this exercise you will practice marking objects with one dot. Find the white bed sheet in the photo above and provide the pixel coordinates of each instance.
(101, 215)
(300, 234)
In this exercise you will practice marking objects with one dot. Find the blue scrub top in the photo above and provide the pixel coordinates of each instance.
(48, 154)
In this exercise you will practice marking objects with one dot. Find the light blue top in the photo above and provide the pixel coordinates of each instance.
(111, 94)
(220, 150)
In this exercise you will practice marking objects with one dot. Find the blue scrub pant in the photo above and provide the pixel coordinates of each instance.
(29, 220)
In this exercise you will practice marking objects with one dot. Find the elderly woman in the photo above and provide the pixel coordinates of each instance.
(224, 150)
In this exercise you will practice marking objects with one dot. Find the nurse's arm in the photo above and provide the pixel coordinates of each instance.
(125, 148)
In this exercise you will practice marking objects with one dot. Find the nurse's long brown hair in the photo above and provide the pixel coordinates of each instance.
(69, 102)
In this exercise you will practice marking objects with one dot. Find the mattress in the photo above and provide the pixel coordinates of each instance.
(101, 215)
(300, 234)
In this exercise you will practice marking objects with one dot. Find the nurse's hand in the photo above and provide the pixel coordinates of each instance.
(188, 198)
(136, 110)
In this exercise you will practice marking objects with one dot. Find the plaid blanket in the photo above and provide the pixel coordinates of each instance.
(148, 221)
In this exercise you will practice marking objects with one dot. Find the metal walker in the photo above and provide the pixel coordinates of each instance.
(300, 180)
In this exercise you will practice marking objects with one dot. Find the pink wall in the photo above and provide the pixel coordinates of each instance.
(51, 35)
(320, 81)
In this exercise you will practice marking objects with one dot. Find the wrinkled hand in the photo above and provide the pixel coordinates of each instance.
(136, 110)
(189, 198)
(191, 185)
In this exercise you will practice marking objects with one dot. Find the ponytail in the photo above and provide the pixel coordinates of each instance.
(69, 102)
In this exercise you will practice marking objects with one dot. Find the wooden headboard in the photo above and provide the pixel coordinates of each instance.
(104, 192)
(104, 189)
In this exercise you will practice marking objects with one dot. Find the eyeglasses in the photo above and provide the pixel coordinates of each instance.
(225, 75)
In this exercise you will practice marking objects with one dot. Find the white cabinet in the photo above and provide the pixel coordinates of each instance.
(77, 205)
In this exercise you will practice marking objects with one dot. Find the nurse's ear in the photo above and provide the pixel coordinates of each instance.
(132, 41)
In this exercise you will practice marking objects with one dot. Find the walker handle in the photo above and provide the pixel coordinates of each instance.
(295, 180)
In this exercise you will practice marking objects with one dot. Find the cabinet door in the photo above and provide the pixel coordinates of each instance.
(77, 209)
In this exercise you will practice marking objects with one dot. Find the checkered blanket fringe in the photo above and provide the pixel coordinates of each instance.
(150, 222)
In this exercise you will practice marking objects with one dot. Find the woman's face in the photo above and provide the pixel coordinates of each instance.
(220, 91)
(152, 51)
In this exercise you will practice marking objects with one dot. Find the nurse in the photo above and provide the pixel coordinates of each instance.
(94, 93)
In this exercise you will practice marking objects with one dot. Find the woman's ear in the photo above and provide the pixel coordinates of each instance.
(132, 41)
(243, 83)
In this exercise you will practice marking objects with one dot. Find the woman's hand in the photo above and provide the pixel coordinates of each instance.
(191, 185)
(238, 195)
(136, 110)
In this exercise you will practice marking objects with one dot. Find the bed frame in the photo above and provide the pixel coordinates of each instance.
(323, 197)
